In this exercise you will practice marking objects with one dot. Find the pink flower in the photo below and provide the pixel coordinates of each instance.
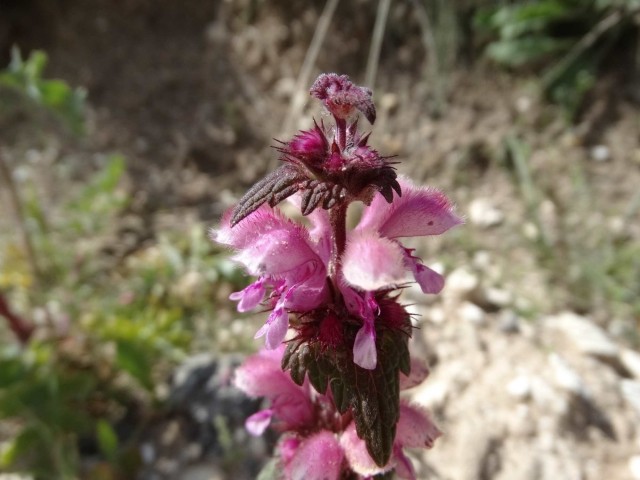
(292, 261)
(375, 259)
(318, 443)
(261, 376)
(283, 256)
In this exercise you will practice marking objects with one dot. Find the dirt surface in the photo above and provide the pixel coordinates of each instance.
(193, 92)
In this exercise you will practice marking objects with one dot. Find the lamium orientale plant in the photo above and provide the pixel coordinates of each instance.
(336, 325)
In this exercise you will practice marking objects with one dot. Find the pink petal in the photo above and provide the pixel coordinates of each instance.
(260, 375)
(287, 447)
(364, 348)
(403, 466)
(318, 457)
(419, 211)
(371, 262)
(250, 297)
(279, 253)
(419, 373)
(263, 220)
(429, 280)
(415, 427)
(365, 354)
(352, 298)
(257, 423)
(276, 327)
(266, 242)
(356, 452)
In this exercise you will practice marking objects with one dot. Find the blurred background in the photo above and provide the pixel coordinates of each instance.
(128, 126)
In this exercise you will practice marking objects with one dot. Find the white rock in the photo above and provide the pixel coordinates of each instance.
(634, 467)
(460, 283)
(523, 104)
(631, 393)
(520, 387)
(600, 153)
(472, 313)
(484, 214)
(498, 296)
(565, 376)
(389, 101)
(631, 361)
(436, 315)
(432, 394)
(508, 321)
(548, 398)
(583, 334)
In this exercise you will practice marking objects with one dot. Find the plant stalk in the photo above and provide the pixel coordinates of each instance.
(338, 222)
(18, 212)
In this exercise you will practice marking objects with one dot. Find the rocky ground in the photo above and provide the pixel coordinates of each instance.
(556, 398)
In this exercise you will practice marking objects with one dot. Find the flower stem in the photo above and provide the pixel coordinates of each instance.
(341, 132)
(338, 221)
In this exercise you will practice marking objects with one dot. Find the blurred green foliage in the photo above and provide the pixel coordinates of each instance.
(110, 324)
(593, 265)
(109, 333)
(566, 40)
(56, 95)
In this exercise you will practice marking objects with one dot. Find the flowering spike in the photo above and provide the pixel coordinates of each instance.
(334, 391)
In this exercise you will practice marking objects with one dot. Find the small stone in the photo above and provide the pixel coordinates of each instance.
(584, 335)
(472, 313)
(520, 387)
(484, 214)
(631, 393)
(498, 297)
(508, 322)
(631, 361)
(436, 315)
(460, 283)
(600, 153)
(523, 104)
(389, 102)
(565, 376)
(634, 467)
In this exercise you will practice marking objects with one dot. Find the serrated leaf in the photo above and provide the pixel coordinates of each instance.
(376, 400)
(318, 378)
(275, 187)
(340, 395)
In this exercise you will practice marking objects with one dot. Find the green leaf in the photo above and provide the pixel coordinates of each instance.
(107, 440)
(56, 95)
(517, 52)
(131, 358)
(376, 400)
(271, 470)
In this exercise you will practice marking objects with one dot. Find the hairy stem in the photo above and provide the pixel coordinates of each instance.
(338, 221)
(341, 132)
